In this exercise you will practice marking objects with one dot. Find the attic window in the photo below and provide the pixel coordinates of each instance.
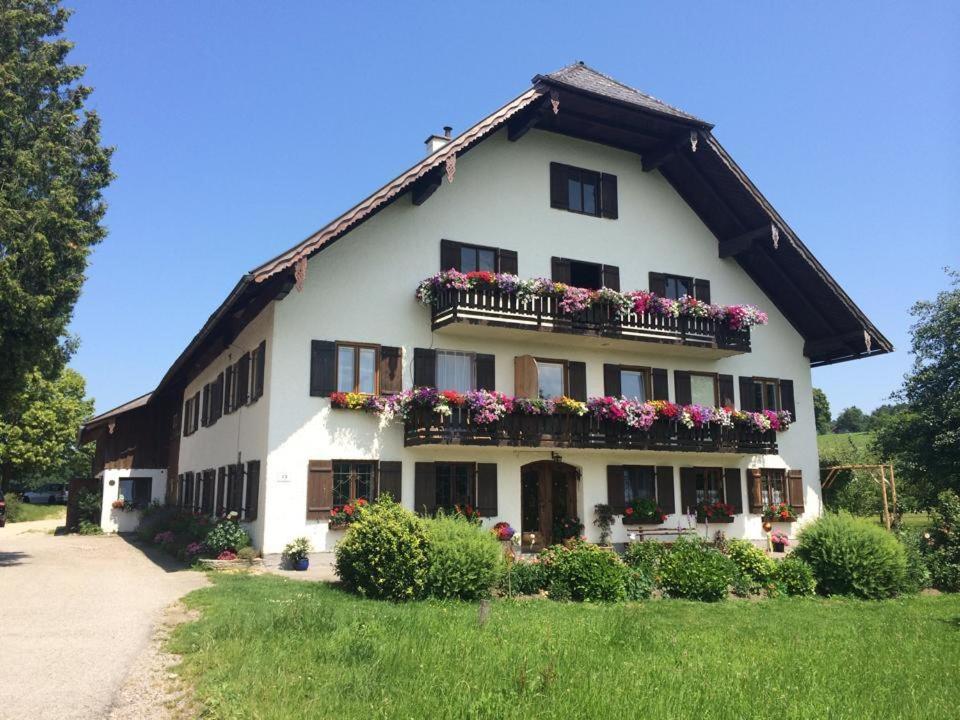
(587, 192)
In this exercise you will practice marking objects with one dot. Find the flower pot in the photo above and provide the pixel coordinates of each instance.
(778, 547)
(301, 564)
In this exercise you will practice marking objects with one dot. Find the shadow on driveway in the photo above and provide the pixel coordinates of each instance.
(12, 558)
(158, 557)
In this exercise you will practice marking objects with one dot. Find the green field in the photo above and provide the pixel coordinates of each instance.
(846, 444)
(28, 511)
(266, 647)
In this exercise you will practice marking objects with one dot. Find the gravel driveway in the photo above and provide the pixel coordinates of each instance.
(75, 613)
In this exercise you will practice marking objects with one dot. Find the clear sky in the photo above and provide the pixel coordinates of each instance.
(241, 127)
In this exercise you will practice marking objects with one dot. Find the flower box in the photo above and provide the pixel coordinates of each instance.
(642, 521)
(715, 520)
(337, 525)
(781, 512)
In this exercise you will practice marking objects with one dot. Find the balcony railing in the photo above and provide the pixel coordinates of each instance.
(426, 427)
(493, 308)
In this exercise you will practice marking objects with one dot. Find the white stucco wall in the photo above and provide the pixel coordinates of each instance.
(113, 520)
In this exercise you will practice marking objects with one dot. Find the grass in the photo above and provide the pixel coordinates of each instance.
(832, 445)
(266, 647)
(30, 511)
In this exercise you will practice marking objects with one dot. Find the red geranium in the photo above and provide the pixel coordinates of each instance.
(454, 398)
(628, 511)
(484, 276)
(348, 509)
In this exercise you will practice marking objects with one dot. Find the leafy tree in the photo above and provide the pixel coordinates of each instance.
(851, 420)
(39, 440)
(925, 437)
(52, 173)
(882, 412)
(821, 411)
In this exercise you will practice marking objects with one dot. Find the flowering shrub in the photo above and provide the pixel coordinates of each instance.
(778, 537)
(566, 528)
(346, 514)
(779, 512)
(194, 549)
(503, 531)
(466, 512)
(584, 572)
(714, 511)
(643, 511)
(226, 535)
(754, 566)
(572, 300)
(227, 555)
(164, 538)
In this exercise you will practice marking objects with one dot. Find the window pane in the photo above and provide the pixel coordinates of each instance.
(486, 260)
(368, 370)
(126, 489)
(770, 399)
(702, 390)
(455, 371)
(442, 495)
(677, 287)
(468, 259)
(364, 484)
(633, 385)
(772, 487)
(639, 484)
(574, 194)
(590, 195)
(708, 487)
(341, 483)
(461, 485)
(345, 368)
(551, 379)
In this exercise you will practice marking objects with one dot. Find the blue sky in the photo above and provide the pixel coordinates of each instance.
(241, 127)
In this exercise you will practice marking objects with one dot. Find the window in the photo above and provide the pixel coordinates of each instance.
(470, 258)
(353, 480)
(252, 495)
(229, 389)
(639, 483)
(635, 383)
(454, 484)
(766, 394)
(191, 414)
(474, 258)
(136, 490)
(773, 486)
(583, 191)
(551, 379)
(356, 368)
(586, 275)
(258, 365)
(703, 389)
(234, 488)
(677, 287)
(709, 484)
(456, 371)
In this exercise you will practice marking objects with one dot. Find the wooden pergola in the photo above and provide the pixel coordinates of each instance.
(879, 475)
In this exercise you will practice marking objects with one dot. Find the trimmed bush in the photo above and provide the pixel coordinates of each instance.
(942, 553)
(853, 556)
(226, 535)
(463, 560)
(585, 573)
(384, 553)
(645, 555)
(919, 576)
(696, 571)
(753, 564)
(794, 576)
(14, 505)
(523, 578)
(639, 584)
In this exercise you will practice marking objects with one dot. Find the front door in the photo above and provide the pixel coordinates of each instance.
(548, 495)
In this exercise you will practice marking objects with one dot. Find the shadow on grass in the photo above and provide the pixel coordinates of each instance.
(953, 622)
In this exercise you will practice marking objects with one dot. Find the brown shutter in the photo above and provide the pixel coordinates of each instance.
(615, 495)
(608, 196)
(424, 367)
(688, 490)
(485, 366)
(754, 492)
(319, 488)
(661, 389)
(725, 388)
(323, 368)
(228, 383)
(701, 290)
(507, 261)
(391, 370)
(243, 380)
(221, 483)
(558, 186)
(526, 382)
(746, 394)
(487, 489)
(390, 480)
(449, 255)
(681, 387)
(577, 380)
(786, 398)
(665, 497)
(186, 417)
(611, 380)
(611, 277)
(795, 490)
(252, 501)
(424, 488)
(733, 491)
(658, 284)
(259, 370)
(560, 270)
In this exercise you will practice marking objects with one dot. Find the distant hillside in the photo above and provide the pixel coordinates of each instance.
(846, 448)
(855, 491)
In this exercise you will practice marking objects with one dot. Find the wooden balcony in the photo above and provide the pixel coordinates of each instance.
(493, 313)
(570, 431)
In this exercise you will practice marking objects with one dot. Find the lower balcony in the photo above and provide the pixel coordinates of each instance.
(425, 427)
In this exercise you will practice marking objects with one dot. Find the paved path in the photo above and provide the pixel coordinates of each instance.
(75, 613)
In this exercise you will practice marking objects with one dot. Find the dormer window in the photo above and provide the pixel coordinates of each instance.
(583, 191)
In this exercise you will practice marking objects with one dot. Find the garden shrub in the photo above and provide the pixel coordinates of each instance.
(640, 584)
(522, 578)
(14, 507)
(584, 572)
(794, 576)
(89, 506)
(695, 571)
(85, 527)
(942, 552)
(463, 560)
(754, 565)
(645, 555)
(226, 535)
(918, 568)
(853, 556)
(384, 553)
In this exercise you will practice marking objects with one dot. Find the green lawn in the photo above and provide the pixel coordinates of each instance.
(266, 647)
(30, 511)
(844, 444)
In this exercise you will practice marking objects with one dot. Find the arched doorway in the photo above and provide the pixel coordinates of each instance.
(548, 496)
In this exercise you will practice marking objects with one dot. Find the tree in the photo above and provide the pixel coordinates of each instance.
(41, 440)
(821, 411)
(851, 420)
(925, 437)
(52, 173)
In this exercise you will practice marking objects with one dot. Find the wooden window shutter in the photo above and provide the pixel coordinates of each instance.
(243, 380)
(228, 383)
(611, 277)
(755, 494)
(485, 366)
(319, 488)
(259, 370)
(577, 380)
(795, 490)
(487, 489)
(252, 500)
(732, 491)
(558, 186)
(665, 497)
(507, 261)
(725, 390)
(221, 488)
(786, 398)
(746, 394)
(560, 270)
(323, 368)
(701, 290)
(526, 382)
(186, 417)
(424, 488)
(688, 490)
(611, 380)
(390, 480)
(449, 255)
(615, 494)
(681, 387)
(424, 367)
(661, 390)
(658, 284)
(391, 369)
(608, 196)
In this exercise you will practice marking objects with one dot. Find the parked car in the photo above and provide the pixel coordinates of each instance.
(51, 493)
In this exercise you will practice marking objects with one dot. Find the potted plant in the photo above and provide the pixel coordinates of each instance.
(643, 512)
(603, 520)
(503, 531)
(780, 512)
(779, 540)
(296, 553)
(565, 528)
(716, 512)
